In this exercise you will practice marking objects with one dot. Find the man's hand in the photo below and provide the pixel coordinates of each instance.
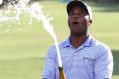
(61, 73)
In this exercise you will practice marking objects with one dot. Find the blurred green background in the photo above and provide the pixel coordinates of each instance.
(23, 47)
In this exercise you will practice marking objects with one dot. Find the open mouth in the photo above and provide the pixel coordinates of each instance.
(75, 22)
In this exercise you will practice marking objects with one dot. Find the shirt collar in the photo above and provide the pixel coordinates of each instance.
(67, 43)
(87, 43)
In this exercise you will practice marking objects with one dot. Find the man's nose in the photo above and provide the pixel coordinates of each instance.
(75, 17)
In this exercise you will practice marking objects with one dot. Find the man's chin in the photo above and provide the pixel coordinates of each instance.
(78, 34)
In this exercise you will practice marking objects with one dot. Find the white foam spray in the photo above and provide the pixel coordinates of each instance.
(35, 10)
(1, 1)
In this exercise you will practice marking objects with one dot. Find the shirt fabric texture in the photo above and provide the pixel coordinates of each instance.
(92, 60)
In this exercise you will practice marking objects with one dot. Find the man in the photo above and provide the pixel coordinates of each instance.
(83, 57)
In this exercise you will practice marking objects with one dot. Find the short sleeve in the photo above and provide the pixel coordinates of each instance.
(49, 68)
(103, 67)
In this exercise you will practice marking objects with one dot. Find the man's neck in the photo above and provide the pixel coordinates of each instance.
(78, 41)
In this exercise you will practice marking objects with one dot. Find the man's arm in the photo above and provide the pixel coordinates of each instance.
(49, 70)
(104, 65)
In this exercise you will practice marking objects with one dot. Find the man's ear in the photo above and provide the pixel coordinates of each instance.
(90, 21)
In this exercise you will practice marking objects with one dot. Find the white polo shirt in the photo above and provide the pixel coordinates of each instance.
(92, 60)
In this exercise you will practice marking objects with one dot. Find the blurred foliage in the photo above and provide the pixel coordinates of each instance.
(99, 1)
(108, 1)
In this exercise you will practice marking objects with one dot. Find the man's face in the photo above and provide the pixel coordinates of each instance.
(78, 22)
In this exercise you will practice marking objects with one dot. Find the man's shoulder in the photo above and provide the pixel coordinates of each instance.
(60, 45)
(52, 47)
(100, 48)
(100, 45)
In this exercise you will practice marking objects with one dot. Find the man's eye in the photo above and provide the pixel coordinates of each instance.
(71, 13)
(81, 15)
